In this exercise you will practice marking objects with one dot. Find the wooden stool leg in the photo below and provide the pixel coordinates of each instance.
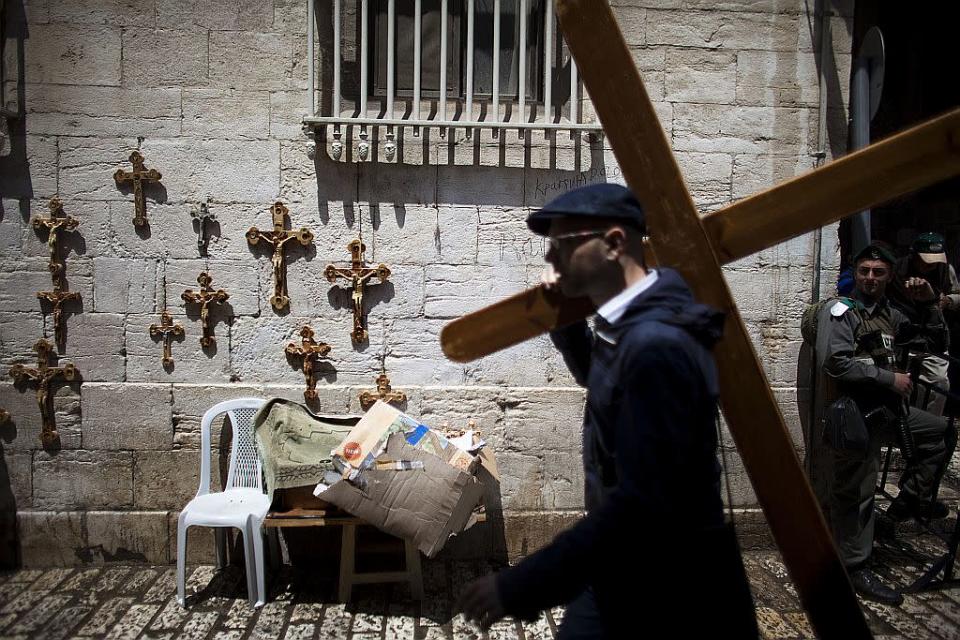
(414, 573)
(348, 546)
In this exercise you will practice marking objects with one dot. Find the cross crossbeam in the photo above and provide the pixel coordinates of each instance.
(383, 392)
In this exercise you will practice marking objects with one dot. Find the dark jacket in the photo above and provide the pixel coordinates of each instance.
(655, 526)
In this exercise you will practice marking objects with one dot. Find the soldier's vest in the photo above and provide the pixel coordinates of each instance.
(874, 340)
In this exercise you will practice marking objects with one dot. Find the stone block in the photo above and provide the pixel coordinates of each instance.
(533, 362)
(779, 78)
(722, 30)
(708, 177)
(470, 186)
(168, 479)
(257, 349)
(521, 480)
(232, 170)
(120, 13)
(289, 16)
(23, 432)
(696, 75)
(218, 15)
(21, 280)
(127, 416)
(18, 333)
(287, 109)
(396, 184)
(16, 477)
(537, 420)
(778, 348)
(632, 21)
(453, 291)
(164, 58)
(12, 229)
(83, 480)
(94, 344)
(51, 539)
(238, 279)
(425, 235)
(401, 296)
(753, 130)
(413, 354)
(528, 532)
(770, 294)
(191, 363)
(87, 166)
(457, 405)
(260, 61)
(755, 173)
(191, 401)
(125, 285)
(841, 35)
(73, 54)
(562, 480)
(167, 234)
(228, 114)
(503, 237)
(309, 292)
(127, 536)
(30, 169)
(651, 63)
(103, 111)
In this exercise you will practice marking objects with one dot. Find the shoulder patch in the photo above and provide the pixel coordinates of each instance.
(839, 308)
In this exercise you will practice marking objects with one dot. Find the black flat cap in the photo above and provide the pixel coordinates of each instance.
(603, 200)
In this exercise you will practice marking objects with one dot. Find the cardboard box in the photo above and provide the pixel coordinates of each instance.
(427, 502)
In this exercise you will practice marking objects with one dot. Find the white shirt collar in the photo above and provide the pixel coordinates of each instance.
(613, 309)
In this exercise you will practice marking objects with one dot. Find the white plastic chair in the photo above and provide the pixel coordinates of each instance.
(241, 505)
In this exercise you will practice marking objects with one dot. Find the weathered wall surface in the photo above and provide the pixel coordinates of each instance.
(212, 94)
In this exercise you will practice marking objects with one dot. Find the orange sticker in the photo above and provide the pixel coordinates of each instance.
(351, 451)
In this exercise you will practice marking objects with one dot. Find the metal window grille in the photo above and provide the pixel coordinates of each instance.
(455, 64)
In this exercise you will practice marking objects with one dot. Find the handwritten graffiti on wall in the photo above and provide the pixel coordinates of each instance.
(583, 178)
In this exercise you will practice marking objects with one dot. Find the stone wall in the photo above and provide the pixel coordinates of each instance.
(212, 94)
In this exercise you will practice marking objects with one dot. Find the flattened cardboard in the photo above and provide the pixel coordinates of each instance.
(425, 505)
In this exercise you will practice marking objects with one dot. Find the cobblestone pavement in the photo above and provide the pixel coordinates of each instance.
(138, 602)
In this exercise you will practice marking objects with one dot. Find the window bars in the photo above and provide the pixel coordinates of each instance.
(445, 85)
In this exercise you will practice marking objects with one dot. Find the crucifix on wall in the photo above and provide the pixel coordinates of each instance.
(43, 378)
(383, 392)
(138, 176)
(205, 297)
(358, 275)
(167, 330)
(4, 416)
(277, 238)
(310, 351)
(56, 222)
(57, 298)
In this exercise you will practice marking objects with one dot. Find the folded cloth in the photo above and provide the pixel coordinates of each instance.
(295, 444)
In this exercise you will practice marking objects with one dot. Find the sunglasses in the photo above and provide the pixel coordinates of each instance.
(553, 242)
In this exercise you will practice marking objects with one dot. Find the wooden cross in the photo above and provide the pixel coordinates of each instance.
(42, 377)
(138, 176)
(205, 297)
(277, 238)
(697, 247)
(56, 222)
(311, 351)
(358, 275)
(56, 298)
(166, 330)
(383, 392)
(202, 215)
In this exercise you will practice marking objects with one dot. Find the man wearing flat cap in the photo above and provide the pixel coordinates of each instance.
(866, 397)
(654, 523)
(926, 265)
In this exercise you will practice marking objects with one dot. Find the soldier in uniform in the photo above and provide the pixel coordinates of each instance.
(855, 350)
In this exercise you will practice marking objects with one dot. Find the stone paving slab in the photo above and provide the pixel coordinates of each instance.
(119, 602)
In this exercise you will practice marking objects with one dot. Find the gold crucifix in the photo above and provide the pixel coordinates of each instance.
(277, 238)
(56, 298)
(383, 392)
(311, 351)
(4, 416)
(166, 330)
(205, 297)
(42, 377)
(138, 176)
(56, 222)
(358, 275)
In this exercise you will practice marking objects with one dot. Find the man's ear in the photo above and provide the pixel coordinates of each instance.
(616, 239)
